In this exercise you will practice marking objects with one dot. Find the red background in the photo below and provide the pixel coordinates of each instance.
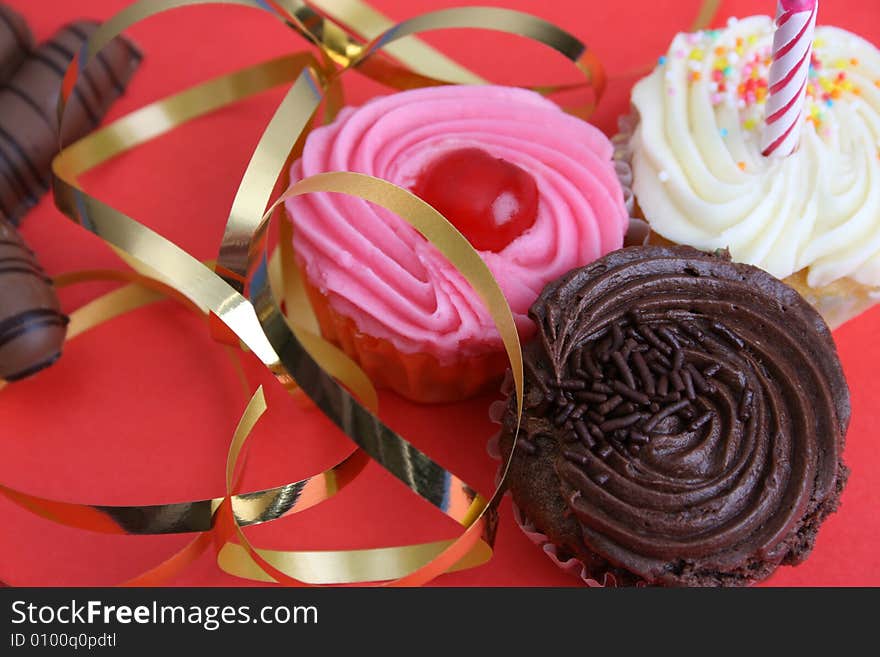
(141, 410)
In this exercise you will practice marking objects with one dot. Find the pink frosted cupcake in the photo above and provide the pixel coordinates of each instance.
(535, 191)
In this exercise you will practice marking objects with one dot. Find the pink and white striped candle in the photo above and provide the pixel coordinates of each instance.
(789, 73)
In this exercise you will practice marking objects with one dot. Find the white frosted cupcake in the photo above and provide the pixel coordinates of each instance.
(694, 143)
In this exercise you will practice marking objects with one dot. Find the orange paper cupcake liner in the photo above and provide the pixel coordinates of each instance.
(419, 377)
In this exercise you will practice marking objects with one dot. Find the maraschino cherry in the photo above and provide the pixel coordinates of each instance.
(490, 200)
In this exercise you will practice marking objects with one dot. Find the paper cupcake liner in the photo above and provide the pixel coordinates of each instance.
(638, 232)
(838, 302)
(420, 377)
(568, 565)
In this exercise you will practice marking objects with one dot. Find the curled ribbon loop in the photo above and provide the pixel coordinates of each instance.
(273, 341)
(246, 289)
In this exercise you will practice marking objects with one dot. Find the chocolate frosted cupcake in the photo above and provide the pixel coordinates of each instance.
(684, 420)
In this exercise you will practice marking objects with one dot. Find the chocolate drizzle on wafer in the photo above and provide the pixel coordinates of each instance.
(32, 327)
(16, 41)
(708, 450)
(29, 134)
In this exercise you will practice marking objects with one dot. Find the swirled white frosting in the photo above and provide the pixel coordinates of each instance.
(701, 180)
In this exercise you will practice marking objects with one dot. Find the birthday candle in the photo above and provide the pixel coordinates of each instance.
(789, 72)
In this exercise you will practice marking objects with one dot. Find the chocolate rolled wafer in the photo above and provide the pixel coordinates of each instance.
(28, 102)
(32, 326)
(16, 41)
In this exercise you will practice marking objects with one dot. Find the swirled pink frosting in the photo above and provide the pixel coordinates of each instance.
(377, 270)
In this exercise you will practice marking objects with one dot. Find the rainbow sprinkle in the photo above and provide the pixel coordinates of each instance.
(736, 68)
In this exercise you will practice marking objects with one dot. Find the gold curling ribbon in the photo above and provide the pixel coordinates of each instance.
(92, 156)
(419, 56)
(706, 14)
(250, 508)
(296, 102)
(172, 265)
(441, 234)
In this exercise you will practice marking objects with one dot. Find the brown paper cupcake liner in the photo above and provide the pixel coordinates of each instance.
(565, 562)
(569, 565)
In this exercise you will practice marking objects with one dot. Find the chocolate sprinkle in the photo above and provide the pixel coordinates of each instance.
(560, 419)
(644, 374)
(658, 368)
(621, 422)
(594, 397)
(664, 413)
(527, 446)
(670, 338)
(656, 342)
(688, 384)
(590, 366)
(730, 335)
(610, 405)
(677, 381)
(639, 438)
(576, 457)
(701, 384)
(630, 393)
(677, 359)
(663, 386)
(700, 421)
(618, 337)
(623, 368)
(595, 417)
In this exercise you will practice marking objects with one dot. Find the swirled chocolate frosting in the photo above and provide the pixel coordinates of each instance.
(684, 421)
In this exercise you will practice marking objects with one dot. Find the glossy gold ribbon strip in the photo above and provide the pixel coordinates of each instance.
(424, 219)
(267, 332)
(424, 66)
(250, 508)
(214, 295)
(707, 13)
(210, 295)
(421, 58)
